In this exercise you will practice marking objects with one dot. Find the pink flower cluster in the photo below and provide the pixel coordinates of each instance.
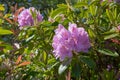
(67, 41)
(25, 18)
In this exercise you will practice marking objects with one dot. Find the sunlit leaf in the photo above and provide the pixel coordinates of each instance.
(111, 36)
(2, 7)
(108, 52)
(63, 66)
(80, 4)
(57, 12)
(5, 32)
(91, 33)
(87, 60)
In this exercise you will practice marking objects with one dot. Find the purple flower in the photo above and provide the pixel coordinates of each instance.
(25, 18)
(80, 37)
(39, 17)
(62, 42)
(65, 41)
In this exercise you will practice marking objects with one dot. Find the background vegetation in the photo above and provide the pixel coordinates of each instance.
(26, 54)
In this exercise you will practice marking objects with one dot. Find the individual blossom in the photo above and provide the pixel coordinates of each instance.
(25, 18)
(67, 41)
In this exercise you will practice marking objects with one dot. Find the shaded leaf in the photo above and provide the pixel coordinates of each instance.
(87, 60)
(76, 70)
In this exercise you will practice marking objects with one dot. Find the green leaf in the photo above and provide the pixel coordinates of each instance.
(63, 66)
(107, 75)
(58, 11)
(109, 14)
(45, 56)
(76, 70)
(108, 52)
(54, 65)
(30, 38)
(7, 46)
(46, 23)
(80, 4)
(2, 7)
(87, 60)
(115, 13)
(62, 5)
(5, 32)
(104, 4)
(118, 16)
(93, 10)
(111, 31)
(95, 2)
(111, 36)
(91, 33)
(1, 21)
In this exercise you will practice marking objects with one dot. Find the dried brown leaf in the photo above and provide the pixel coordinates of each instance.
(24, 63)
(19, 59)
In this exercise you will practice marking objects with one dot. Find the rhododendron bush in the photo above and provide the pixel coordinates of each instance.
(76, 40)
